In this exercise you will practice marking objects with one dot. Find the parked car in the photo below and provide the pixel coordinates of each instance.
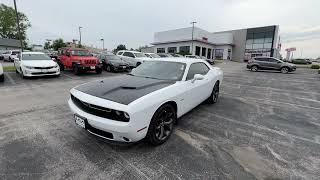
(152, 55)
(301, 61)
(1, 52)
(79, 60)
(10, 55)
(134, 58)
(29, 64)
(1, 73)
(111, 62)
(147, 102)
(210, 61)
(175, 55)
(270, 63)
(164, 55)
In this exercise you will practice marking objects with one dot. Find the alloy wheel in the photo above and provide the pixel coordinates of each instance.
(215, 94)
(284, 70)
(164, 124)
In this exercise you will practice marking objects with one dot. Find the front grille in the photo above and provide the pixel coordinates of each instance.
(98, 110)
(50, 67)
(90, 61)
(99, 132)
(38, 73)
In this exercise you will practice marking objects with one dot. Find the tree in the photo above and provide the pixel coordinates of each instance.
(58, 43)
(8, 25)
(119, 47)
(47, 45)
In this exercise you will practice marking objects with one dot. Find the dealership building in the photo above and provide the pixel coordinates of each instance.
(237, 45)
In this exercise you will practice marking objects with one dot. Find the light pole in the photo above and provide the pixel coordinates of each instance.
(80, 35)
(193, 22)
(102, 43)
(18, 24)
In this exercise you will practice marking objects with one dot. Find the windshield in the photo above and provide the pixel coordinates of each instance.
(35, 57)
(160, 70)
(139, 55)
(113, 57)
(15, 52)
(154, 55)
(80, 53)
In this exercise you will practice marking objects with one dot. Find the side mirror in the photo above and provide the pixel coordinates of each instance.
(197, 77)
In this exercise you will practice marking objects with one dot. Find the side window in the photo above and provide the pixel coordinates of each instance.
(120, 53)
(197, 68)
(128, 54)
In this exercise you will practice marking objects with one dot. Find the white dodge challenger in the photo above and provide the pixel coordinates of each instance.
(146, 102)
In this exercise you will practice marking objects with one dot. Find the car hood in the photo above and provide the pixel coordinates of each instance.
(39, 63)
(289, 64)
(123, 89)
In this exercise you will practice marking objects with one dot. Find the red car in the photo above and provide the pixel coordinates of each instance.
(79, 60)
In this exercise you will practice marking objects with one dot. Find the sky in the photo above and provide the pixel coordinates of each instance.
(134, 22)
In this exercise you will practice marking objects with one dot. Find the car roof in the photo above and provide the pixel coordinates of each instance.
(129, 51)
(179, 59)
(32, 52)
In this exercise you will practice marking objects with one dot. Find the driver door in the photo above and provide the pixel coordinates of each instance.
(196, 91)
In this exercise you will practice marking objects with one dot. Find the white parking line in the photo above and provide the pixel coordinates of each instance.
(10, 78)
(265, 128)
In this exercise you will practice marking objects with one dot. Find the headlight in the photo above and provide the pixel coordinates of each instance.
(56, 66)
(126, 115)
(122, 116)
(28, 67)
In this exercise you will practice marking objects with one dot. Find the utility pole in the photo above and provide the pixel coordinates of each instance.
(80, 35)
(192, 36)
(18, 24)
(102, 43)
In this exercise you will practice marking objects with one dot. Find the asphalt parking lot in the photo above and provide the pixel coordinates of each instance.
(266, 125)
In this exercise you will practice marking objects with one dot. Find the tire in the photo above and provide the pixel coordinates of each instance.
(214, 94)
(76, 70)
(161, 125)
(284, 70)
(109, 68)
(61, 66)
(99, 70)
(2, 78)
(254, 68)
(21, 74)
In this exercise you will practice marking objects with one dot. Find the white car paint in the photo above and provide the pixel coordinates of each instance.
(29, 68)
(187, 94)
(10, 55)
(133, 60)
(152, 55)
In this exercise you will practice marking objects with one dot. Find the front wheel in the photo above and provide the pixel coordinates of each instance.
(98, 70)
(76, 70)
(214, 94)
(284, 70)
(161, 125)
(21, 74)
(254, 68)
(2, 78)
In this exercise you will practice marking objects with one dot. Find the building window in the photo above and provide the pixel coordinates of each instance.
(209, 54)
(172, 49)
(184, 49)
(218, 54)
(198, 51)
(204, 52)
(161, 50)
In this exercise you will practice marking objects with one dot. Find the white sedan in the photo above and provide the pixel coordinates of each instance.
(30, 64)
(147, 102)
(1, 73)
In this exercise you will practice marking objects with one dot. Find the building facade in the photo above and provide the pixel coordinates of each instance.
(8, 44)
(237, 45)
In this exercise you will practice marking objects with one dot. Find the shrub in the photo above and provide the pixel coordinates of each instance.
(315, 66)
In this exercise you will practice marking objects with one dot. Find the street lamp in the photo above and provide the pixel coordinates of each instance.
(80, 35)
(18, 24)
(193, 22)
(102, 43)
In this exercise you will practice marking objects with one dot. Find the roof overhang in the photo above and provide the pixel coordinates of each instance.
(190, 40)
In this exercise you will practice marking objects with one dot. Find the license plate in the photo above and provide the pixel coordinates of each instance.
(92, 67)
(80, 121)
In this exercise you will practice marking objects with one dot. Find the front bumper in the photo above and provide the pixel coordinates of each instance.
(41, 72)
(109, 129)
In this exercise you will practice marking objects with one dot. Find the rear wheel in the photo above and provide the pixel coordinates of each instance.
(285, 70)
(109, 68)
(254, 68)
(61, 66)
(161, 125)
